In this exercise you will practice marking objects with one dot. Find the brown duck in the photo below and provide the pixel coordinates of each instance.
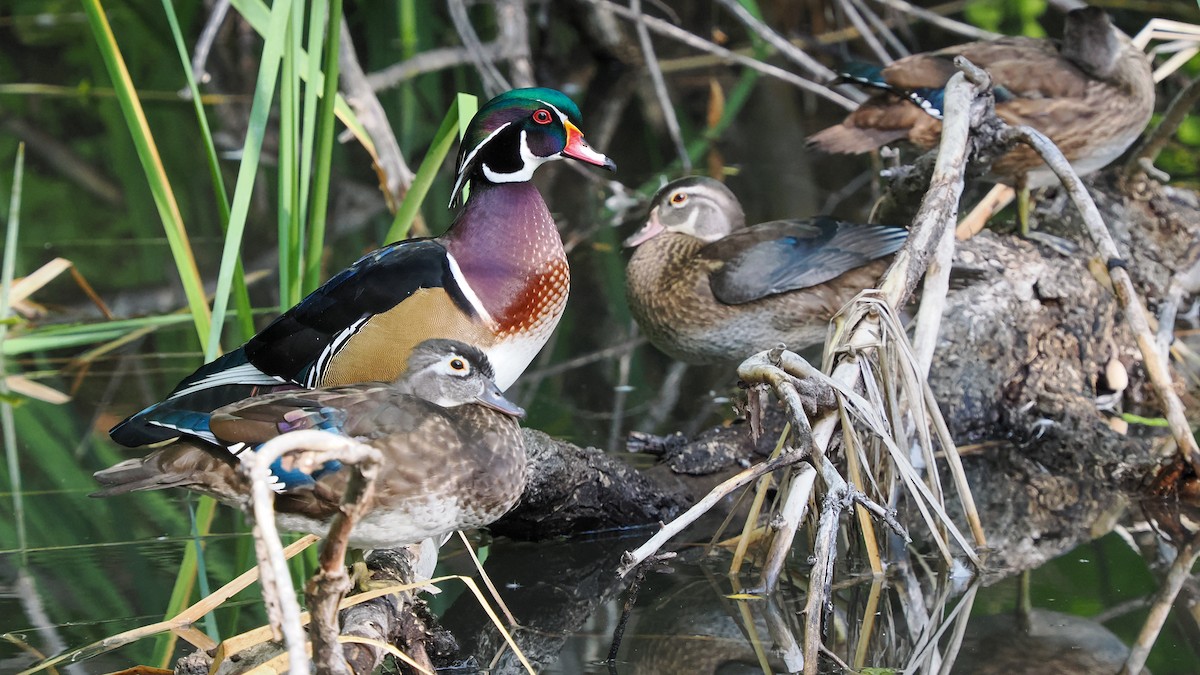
(1092, 94)
(453, 453)
(706, 288)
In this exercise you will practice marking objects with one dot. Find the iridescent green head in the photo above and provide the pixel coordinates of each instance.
(518, 131)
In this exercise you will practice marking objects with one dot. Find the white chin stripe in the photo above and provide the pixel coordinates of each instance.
(529, 163)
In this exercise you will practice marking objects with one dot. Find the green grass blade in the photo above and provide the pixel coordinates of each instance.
(291, 234)
(62, 336)
(245, 311)
(260, 110)
(316, 40)
(320, 188)
(160, 187)
(6, 411)
(453, 125)
(185, 582)
(256, 13)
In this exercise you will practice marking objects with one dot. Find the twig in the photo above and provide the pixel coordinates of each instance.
(795, 508)
(278, 595)
(660, 87)
(1180, 572)
(811, 66)
(513, 23)
(283, 612)
(429, 61)
(327, 587)
(1177, 111)
(784, 638)
(865, 31)
(1183, 282)
(881, 27)
(1131, 304)
(674, 32)
(940, 21)
(361, 97)
(821, 579)
(493, 81)
(205, 42)
(487, 580)
(632, 559)
(939, 208)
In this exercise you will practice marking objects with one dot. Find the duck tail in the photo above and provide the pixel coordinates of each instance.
(844, 139)
(179, 464)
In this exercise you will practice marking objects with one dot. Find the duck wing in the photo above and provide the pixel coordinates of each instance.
(789, 255)
(296, 349)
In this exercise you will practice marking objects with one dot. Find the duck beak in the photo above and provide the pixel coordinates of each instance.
(651, 229)
(577, 148)
(493, 398)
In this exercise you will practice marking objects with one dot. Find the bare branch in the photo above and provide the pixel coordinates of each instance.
(674, 32)
(493, 81)
(361, 97)
(514, 38)
(865, 31)
(1131, 304)
(1177, 111)
(793, 53)
(940, 21)
(660, 87)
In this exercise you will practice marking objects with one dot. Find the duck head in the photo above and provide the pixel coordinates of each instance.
(697, 206)
(518, 131)
(452, 373)
(1090, 41)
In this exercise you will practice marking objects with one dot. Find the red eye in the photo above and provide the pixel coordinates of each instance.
(542, 116)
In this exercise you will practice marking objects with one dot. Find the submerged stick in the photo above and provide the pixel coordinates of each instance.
(1177, 575)
(636, 557)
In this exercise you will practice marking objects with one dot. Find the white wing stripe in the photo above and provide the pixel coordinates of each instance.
(317, 373)
(243, 374)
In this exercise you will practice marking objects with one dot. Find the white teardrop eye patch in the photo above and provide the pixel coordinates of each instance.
(458, 365)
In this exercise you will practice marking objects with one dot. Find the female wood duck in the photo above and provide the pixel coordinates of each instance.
(446, 400)
(1092, 94)
(497, 279)
(706, 288)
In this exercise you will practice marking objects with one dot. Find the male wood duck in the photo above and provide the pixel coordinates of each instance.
(706, 288)
(497, 279)
(454, 454)
(1092, 94)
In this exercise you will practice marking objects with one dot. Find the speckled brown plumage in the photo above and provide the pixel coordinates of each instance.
(1092, 94)
(446, 468)
(706, 288)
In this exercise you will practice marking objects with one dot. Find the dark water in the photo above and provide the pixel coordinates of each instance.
(92, 569)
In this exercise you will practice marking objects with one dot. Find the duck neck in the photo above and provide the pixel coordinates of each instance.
(660, 263)
(504, 240)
